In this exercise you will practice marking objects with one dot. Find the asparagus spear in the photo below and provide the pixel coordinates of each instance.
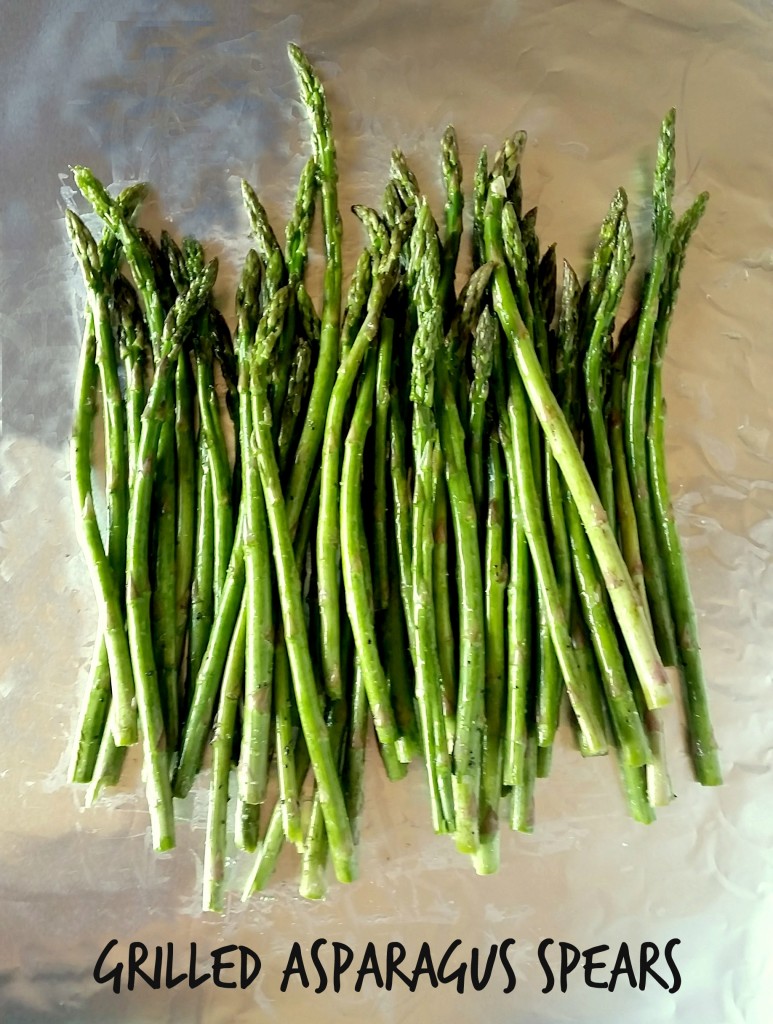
(315, 102)
(480, 188)
(393, 630)
(405, 180)
(289, 587)
(94, 712)
(520, 614)
(529, 500)
(625, 511)
(637, 398)
(452, 176)
(186, 500)
(296, 251)
(441, 595)
(135, 252)
(273, 839)
(468, 739)
(228, 593)
(658, 783)
(299, 225)
(285, 710)
(214, 438)
(357, 300)
(132, 346)
(482, 363)
(358, 606)
(401, 497)
(620, 259)
(522, 252)
(177, 324)
(328, 537)
(284, 724)
(622, 592)
(144, 266)
(576, 684)
(295, 401)
(222, 745)
(164, 536)
(703, 746)
(376, 227)
(106, 585)
(259, 638)
(208, 679)
(622, 707)
(426, 342)
(202, 583)
(486, 860)
(381, 581)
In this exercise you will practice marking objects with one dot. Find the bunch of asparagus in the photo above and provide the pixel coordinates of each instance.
(443, 510)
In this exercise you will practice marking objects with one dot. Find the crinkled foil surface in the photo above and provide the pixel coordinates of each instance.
(193, 96)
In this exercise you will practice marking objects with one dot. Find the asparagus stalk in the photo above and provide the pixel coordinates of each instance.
(468, 738)
(285, 711)
(259, 639)
(222, 745)
(94, 712)
(273, 839)
(622, 706)
(116, 217)
(210, 674)
(620, 261)
(576, 684)
(442, 599)
(626, 513)
(482, 363)
(177, 324)
(452, 176)
(624, 598)
(296, 252)
(214, 439)
(405, 180)
(296, 397)
(381, 581)
(144, 264)
(202, 584)
(328, 536)
(703, 746)
(486, 860)
(393, 630)
(522, 252)
(315, 102)
(401, 496)
(354, 753)
(480, 188)
(520, 614)
(133, 350)
(289, 587)
(357, 300)
(658, 783)
(354, 553)
(186, 499)
(284, 724)
(426, 342)
(637, 398)
(106, 585)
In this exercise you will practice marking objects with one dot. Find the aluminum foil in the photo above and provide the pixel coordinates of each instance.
(193, 96)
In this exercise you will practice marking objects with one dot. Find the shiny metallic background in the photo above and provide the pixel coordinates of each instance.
(194, 95)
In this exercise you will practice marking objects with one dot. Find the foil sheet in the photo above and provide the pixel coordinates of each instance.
(194, 95)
